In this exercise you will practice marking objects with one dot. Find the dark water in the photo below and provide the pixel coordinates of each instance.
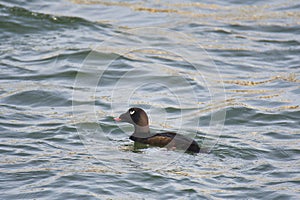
(224, 73)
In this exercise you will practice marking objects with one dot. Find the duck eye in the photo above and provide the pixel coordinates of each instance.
(131, 112)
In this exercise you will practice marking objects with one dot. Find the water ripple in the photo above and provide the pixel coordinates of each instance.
(45, 45)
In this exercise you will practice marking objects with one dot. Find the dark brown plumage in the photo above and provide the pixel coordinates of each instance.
(170, 140)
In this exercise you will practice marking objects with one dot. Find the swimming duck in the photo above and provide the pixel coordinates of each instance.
(139, 119)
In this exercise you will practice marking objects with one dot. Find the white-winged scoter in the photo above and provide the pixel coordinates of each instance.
(139, 118)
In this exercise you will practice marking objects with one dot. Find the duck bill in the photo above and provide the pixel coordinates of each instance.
(117, 119)
(125, 117)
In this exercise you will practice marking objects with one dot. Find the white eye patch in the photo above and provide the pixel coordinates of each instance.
(131, 112)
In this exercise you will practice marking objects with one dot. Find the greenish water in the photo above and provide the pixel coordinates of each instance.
(225, 74)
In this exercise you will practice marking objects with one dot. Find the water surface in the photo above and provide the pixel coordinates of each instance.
(69, 67)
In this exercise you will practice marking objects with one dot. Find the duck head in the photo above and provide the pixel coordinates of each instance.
(137, 117)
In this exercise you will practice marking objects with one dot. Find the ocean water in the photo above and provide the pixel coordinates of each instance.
(223, 73)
